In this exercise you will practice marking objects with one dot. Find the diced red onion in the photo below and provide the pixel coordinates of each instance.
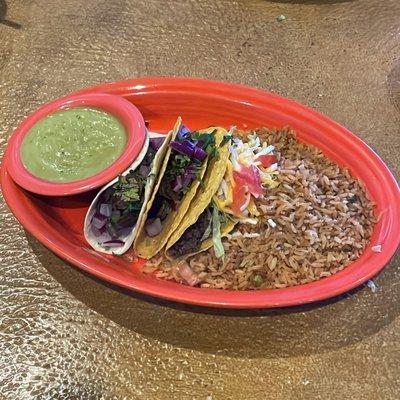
(113, 243)
(96, 232)
(187, 177)
(124, 231)
(174, 204)
(187, 180)
(105, 210)
(153, 228)
(191, 175)
(156, 142)
(98, 220)
(144, 170)
(104, 237)
(177, 184)
(187, 274)
(190, 171)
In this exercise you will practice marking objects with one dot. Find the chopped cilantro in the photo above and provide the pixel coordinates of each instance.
(225, 139)
(131, 194)
(126, 198)
(352, 199)
(177, 166)
(201, 182)
(135, 206)
(164, 210)
(115, 216)
(258, 280)
(208, 140)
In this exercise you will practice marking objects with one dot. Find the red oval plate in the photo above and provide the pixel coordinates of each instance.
(58, 222)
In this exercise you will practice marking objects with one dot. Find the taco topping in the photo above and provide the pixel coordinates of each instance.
(188, 151)
(216, 233)
(191, 240)
(207, 226)
(288, 204)
(251, 169)
(154, 228)
(118, 207)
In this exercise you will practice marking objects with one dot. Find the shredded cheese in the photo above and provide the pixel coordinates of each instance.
(243, 155)
(253, 208)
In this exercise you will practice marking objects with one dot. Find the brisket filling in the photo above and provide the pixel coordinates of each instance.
(191, 239)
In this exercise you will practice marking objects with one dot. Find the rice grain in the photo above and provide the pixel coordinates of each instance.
(315, 223)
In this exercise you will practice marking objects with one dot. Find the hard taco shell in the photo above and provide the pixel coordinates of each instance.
(146, 246)
(215, 172)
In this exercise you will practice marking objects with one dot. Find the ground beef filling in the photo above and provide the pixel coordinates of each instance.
(190, 241)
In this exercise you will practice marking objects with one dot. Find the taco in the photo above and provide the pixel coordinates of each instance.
(205, 224)
(232, 183)
(115, 214)
(180, 178)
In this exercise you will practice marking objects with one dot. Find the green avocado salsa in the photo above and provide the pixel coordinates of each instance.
(73, 144)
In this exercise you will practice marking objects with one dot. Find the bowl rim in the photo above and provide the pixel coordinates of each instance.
(129, 116)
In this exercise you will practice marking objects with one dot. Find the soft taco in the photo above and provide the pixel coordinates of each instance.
(116, 212)
(205, 223)
(180, 178)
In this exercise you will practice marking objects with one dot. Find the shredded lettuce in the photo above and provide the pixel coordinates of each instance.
(207, 232)
(216, 233)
